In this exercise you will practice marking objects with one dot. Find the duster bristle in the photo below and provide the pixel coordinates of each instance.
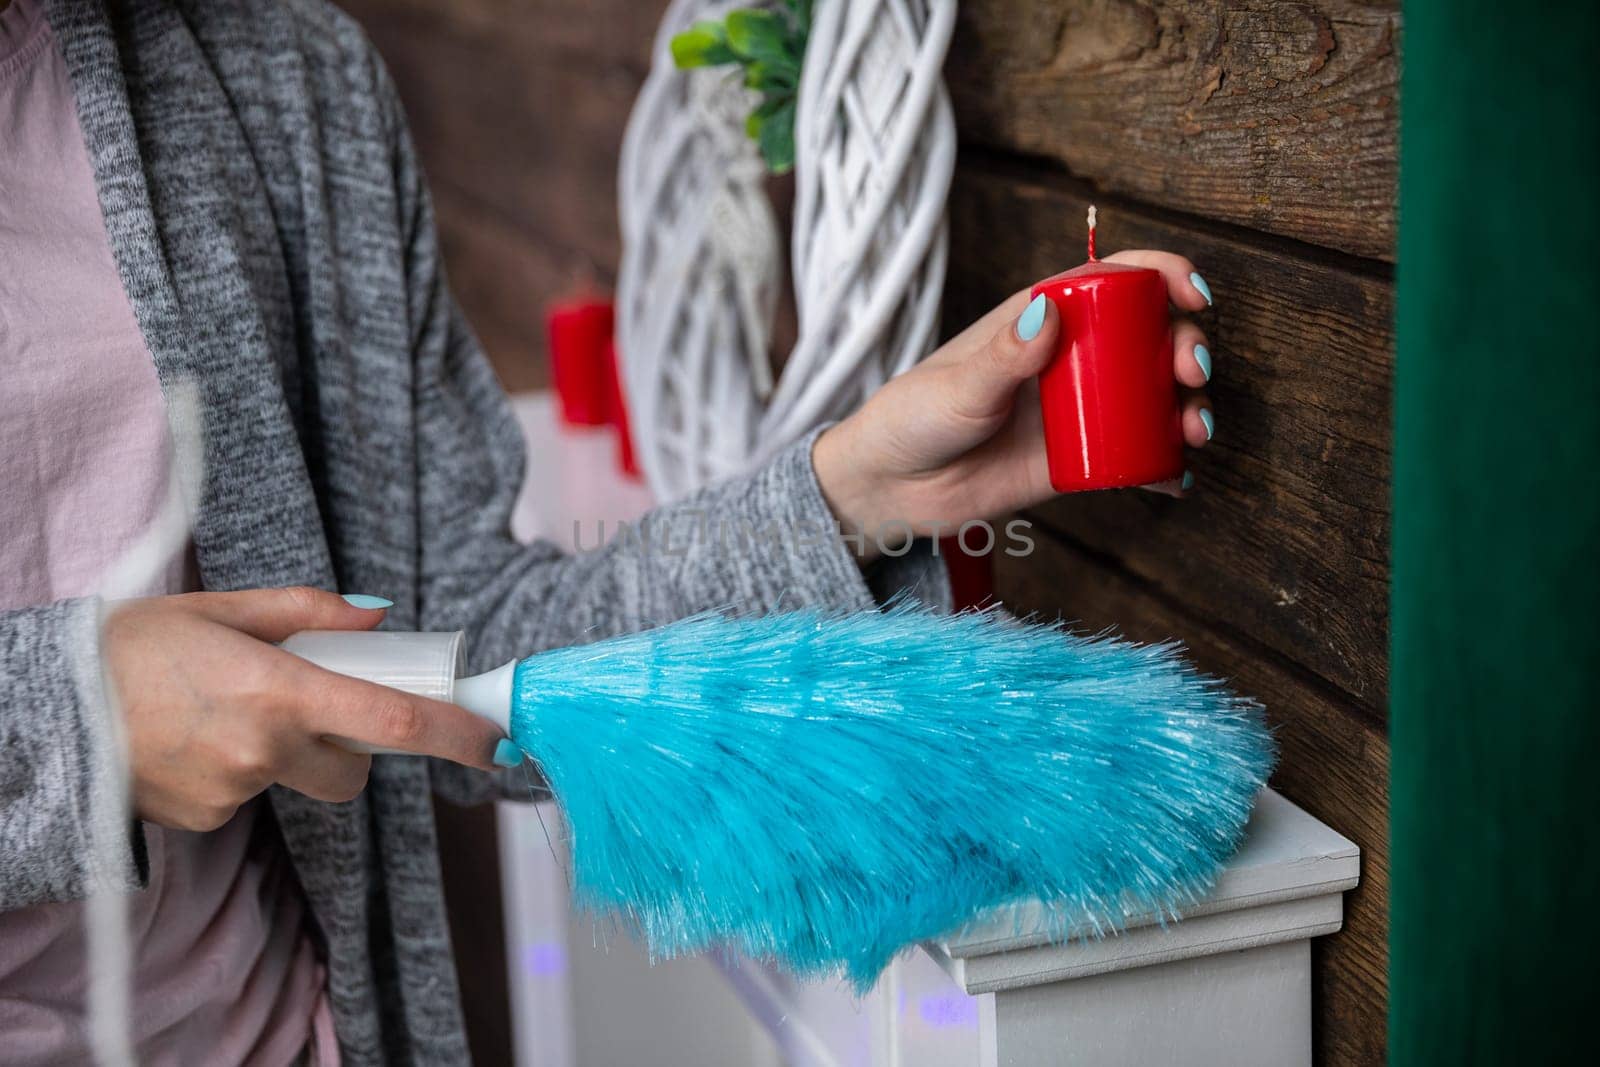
(824, 790)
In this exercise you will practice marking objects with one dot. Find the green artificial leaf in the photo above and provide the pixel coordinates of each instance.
(761, 36)
(705, 44)
(776, 136)
(772, 105)
(770, 45)
(771, 77)
(757, 119)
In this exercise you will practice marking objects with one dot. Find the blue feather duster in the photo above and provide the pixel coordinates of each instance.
(825, 789)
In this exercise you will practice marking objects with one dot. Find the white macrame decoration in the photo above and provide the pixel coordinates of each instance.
(698, 287)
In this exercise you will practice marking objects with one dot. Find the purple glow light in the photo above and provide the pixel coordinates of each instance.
(543, 958)
(950, 1009)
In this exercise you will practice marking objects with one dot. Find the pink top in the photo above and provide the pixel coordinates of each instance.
(225, 970)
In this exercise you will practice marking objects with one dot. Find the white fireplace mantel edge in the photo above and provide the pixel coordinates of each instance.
(1286, 883)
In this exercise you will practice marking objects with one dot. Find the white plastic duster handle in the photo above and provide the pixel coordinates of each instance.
(488, 695)
(427, 664)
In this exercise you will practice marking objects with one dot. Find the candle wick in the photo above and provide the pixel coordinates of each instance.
(1092, 214)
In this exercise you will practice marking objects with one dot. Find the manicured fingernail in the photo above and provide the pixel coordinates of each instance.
(1188, 480)
(370, 603)
(1211, 423)
(1032, 320)
(1202, 356)
(1200, 285)
(506, 753)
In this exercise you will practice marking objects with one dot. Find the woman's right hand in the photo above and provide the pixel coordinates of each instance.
(215, 712)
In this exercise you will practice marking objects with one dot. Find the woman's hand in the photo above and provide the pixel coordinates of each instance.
(960, 435)
(215, 712)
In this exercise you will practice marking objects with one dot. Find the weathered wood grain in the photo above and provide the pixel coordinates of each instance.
(1277, 116)
(603, 30)
(1285, 538)
(1334, 763)
(517, 111)
(503, 281)
(533, 136)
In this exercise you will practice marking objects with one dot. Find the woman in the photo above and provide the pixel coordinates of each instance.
(223, 197)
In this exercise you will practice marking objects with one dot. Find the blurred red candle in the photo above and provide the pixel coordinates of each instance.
(617, 411)
(579, 332)
(971, 577)
(1109, 398)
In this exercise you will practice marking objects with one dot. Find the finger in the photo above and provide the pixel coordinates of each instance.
(1185, 287)
(1191, 359)
(1026, 446)
(973, 338)
(1199, 422)
(986, 381)
(274, 614)
(335, 706)
(326, 771)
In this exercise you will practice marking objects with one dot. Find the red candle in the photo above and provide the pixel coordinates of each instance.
(579, 331)
(617, 411)
(971, 577)
(1108, 395)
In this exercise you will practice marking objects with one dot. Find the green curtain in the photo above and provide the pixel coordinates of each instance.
(1495, 651)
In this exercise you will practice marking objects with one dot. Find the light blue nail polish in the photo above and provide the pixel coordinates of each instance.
(1032, 320)
(1202, 356)
(1200, 284)
(1188, 480)
(370, 603)
(1211, 423)
(506, 753)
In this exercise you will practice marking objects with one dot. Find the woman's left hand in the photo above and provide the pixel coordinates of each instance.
(960, 436)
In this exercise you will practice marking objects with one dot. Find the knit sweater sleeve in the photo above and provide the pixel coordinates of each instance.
(59, 777)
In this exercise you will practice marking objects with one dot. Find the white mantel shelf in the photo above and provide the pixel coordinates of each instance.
(1286, 883)
(1228, 985)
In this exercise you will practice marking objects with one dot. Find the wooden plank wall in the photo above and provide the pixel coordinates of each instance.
(1259, 139)
(517, 109)
(1256, 137)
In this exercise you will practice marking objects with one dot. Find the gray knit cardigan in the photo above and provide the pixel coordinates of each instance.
(275, 238)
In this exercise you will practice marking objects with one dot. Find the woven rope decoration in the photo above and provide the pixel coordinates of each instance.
(698, 287)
